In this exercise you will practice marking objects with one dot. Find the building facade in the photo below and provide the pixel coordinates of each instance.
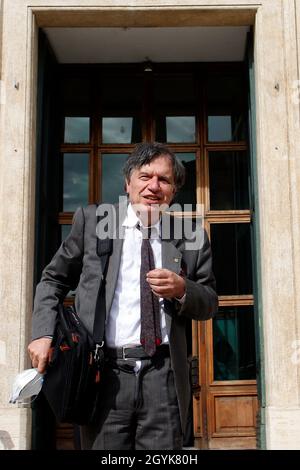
(219, 81)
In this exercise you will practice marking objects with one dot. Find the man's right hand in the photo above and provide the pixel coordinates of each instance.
(39, 353)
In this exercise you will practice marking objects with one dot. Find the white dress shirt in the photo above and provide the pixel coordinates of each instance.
(123, 325)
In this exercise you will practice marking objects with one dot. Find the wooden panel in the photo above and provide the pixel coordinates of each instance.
(234, 415)
(120, 17)
(65, 437)
(235, 300)
(65, 218)
(198, 414)
(233, 443)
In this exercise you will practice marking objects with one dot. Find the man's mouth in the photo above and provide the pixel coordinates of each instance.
(152, 199)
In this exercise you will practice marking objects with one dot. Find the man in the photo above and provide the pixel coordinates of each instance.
(155, 282)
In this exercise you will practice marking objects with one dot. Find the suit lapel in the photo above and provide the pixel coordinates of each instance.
(115, 259)
(171, 259)
(171, 256)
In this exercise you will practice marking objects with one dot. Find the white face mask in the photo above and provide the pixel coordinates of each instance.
(26, 384)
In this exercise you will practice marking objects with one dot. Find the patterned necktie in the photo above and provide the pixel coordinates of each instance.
(150, 319)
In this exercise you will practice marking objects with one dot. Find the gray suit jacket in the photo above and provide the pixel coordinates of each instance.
(77, 265)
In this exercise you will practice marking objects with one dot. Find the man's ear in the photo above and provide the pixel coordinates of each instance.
(126, 186)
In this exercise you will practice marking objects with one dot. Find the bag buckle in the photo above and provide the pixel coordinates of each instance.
(97, 354)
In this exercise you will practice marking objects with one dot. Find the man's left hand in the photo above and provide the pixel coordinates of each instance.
(165, 283)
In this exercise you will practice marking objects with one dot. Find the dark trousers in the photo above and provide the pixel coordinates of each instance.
(138, 410)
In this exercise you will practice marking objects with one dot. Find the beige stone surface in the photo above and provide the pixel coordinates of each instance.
(277, 59)
(16, 213)
(283, 426)
(15, 429)
(1, 21)
(110, 4)
(275, 70)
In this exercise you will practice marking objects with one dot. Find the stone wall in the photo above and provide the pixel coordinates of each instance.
(277, 46)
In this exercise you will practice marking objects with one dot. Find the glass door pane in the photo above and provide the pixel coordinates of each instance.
(187, 194)
(232, 261)
(121, 108)
(176, 129)
(112, 176)
(228, 180)
(121, 130)
(77, 130)
(234, 347)
(65, 231)
(75, 180)
(226, 120)
(174, 106)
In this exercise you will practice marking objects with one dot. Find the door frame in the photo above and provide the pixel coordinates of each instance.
(40, 16)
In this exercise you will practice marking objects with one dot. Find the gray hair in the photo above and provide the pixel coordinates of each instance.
(145, 152)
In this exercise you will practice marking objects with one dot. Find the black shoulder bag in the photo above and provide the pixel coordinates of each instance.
(72, 381)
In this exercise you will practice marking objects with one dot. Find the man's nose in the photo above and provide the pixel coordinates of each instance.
(154, 184)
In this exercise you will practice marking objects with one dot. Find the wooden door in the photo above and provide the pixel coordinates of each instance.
(200, 111)
(225, 401)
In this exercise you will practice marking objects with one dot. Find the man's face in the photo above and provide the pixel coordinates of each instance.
(152, 185)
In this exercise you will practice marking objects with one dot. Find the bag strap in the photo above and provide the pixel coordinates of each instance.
(104, 250)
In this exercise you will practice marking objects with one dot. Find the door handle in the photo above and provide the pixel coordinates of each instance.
(194, 365)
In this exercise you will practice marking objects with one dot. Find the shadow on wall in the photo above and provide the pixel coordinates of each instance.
(6, 442)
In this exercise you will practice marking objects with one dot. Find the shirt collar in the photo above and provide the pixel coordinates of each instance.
(131, 220)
